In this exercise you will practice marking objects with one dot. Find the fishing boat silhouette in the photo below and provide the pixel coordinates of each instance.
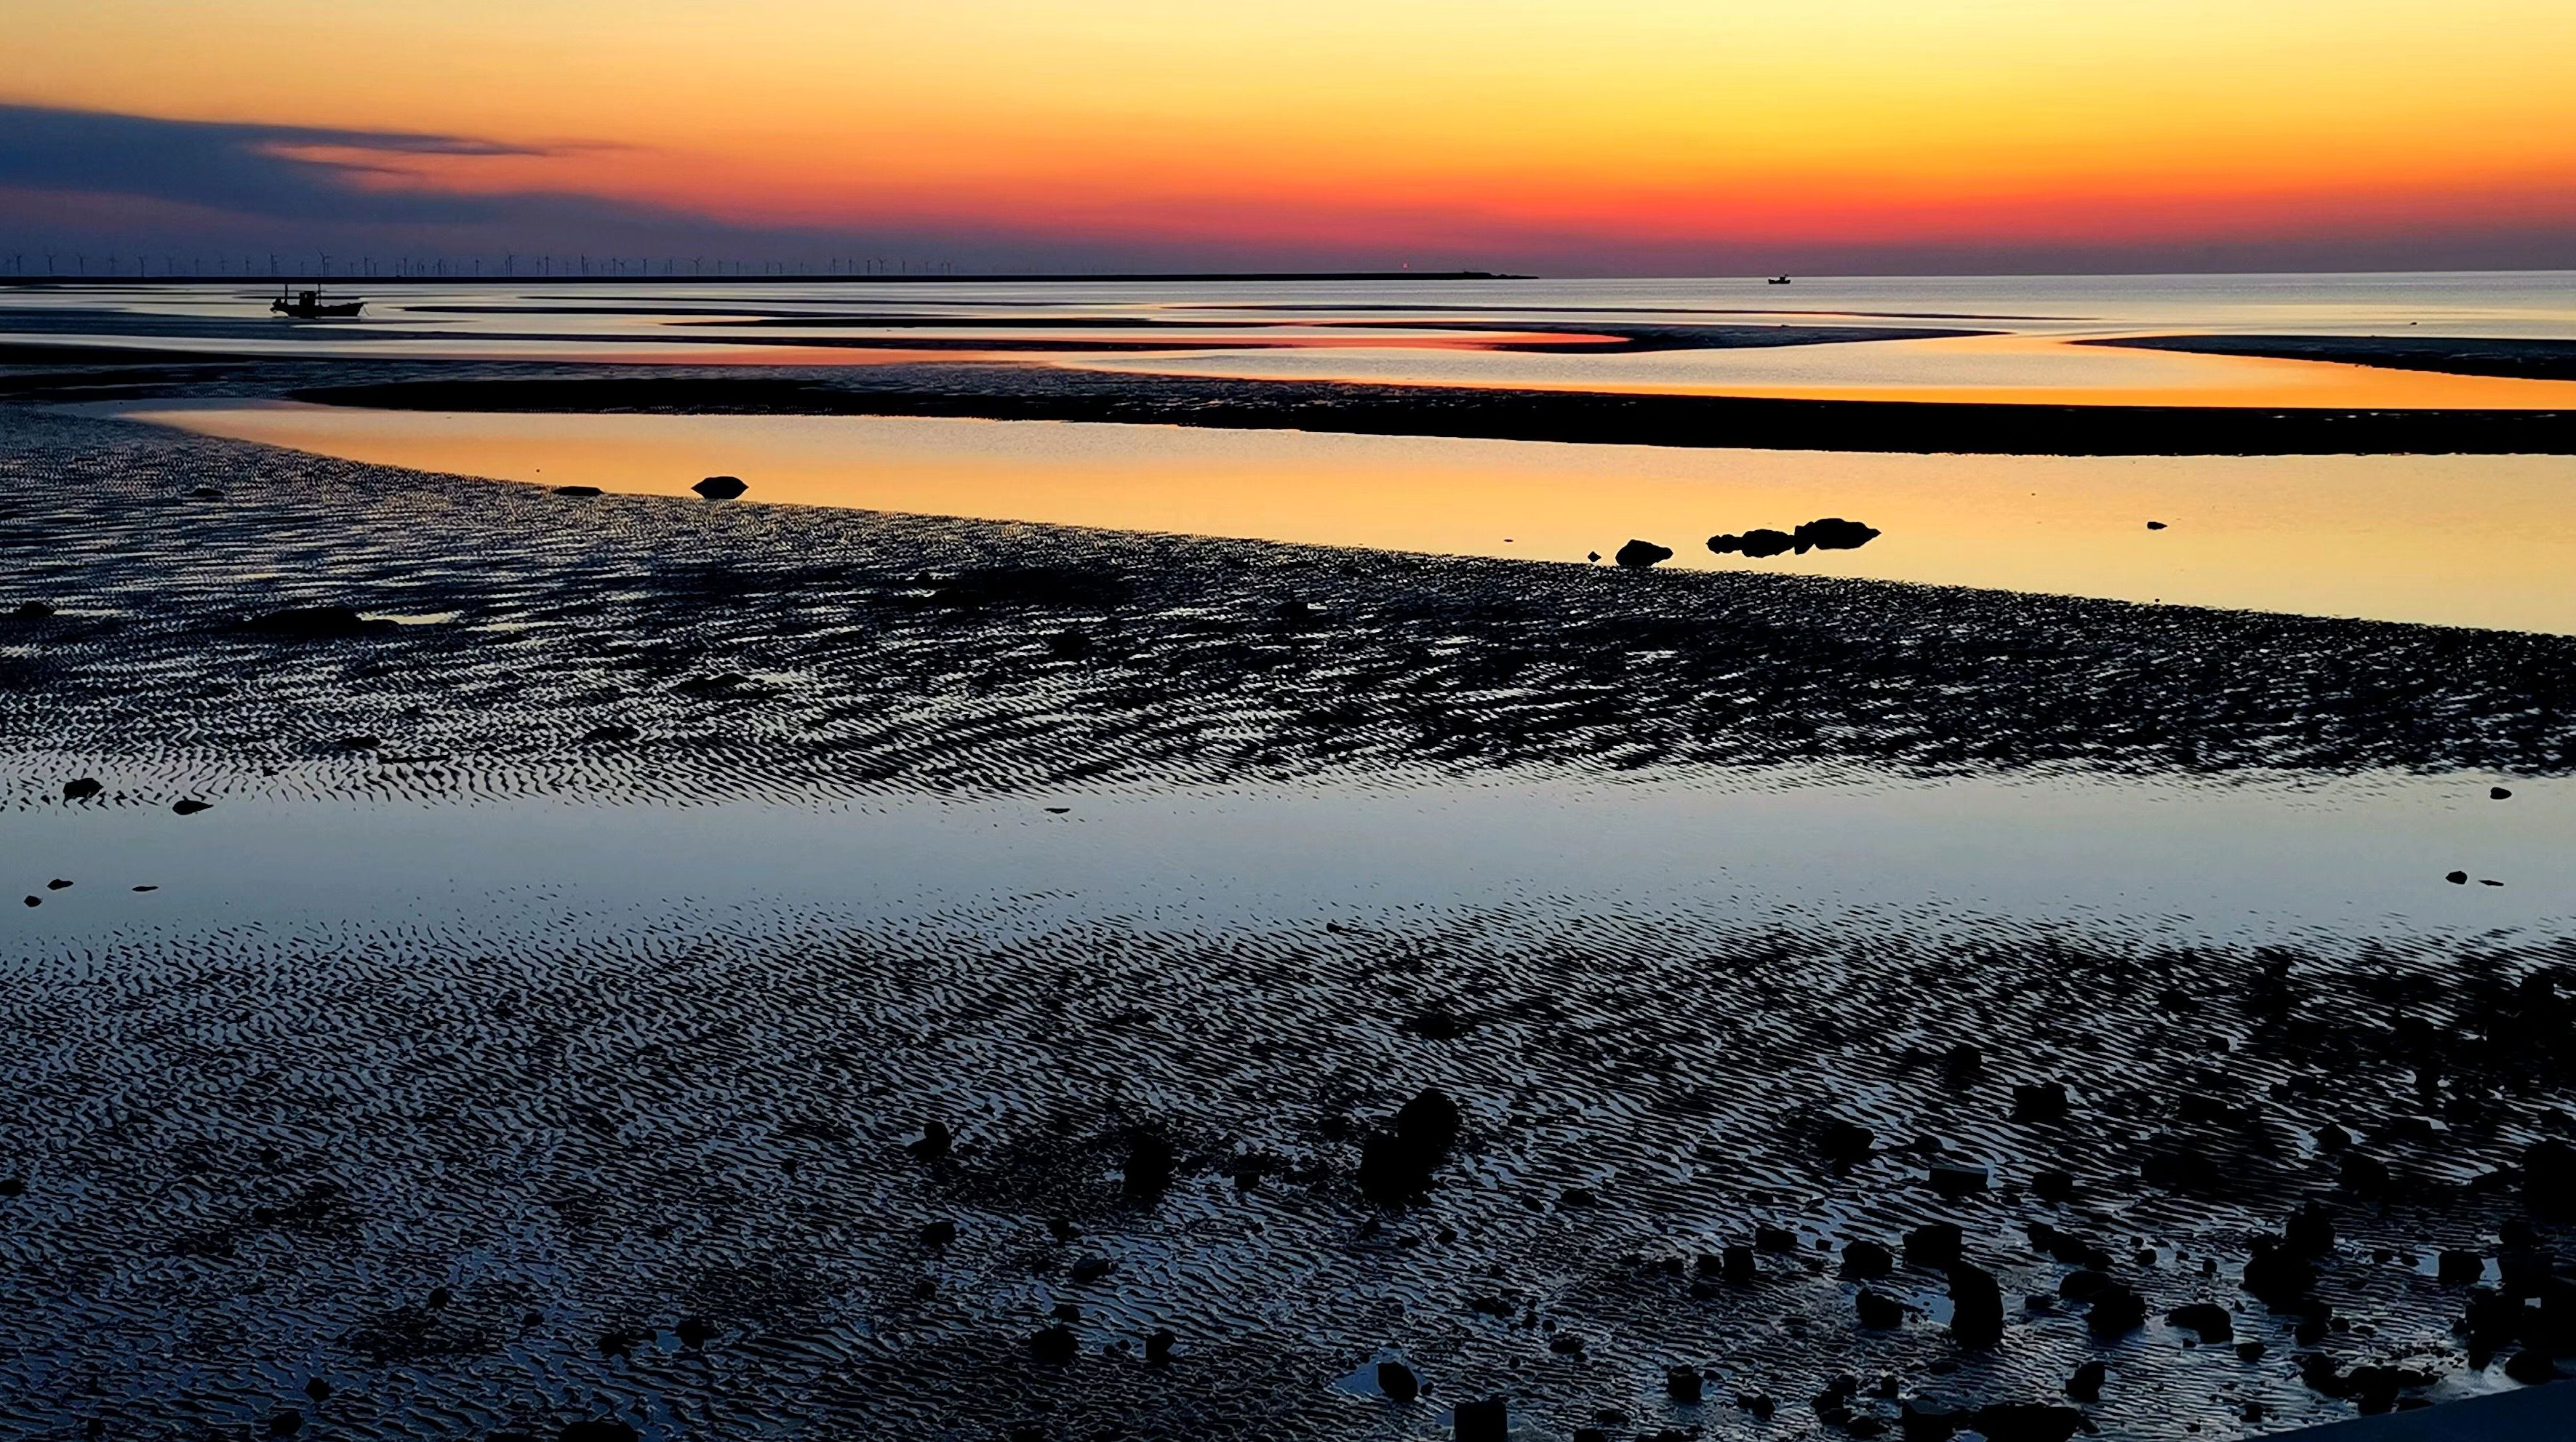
(309, 305)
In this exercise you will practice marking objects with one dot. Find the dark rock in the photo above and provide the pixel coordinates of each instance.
(1592, 555)
(694, 1331)
(1878, 1311)
(1638, 555)
(1578, 1199)
(1069, 644)
(1755, 543)
(1397, 1381)
(1483, 1421)
(1833, 533)
(35, 901)
(1961, 1065)
(720, 488)
(2086, 1385)
(2083, 1285)
(319, 1389)
(2028, 1422)
(81, 789)
(1055, 1345)
(1435, 1024)
(2210, 1320)
(2068, 1248)
(2250, 1351)
(1778, 1241)
(2531, 1368)
(1092, 1269)
(1915, 1424)
(203, 493)
(598, 1429)
(1844, 1143)
(316, 623)
(1935, 1246)
(1955, 1180)
(935, 1141)
(1151, 1164)
(2549, 1180)
(191, 806)
(1976, 1307)
(1159, 1344)
(33, 611)
(1683, 1384)
(1738, 1263)
(2116, 1313)
(1866, 1261)
(2498, 793)
(286, 1423)
(1565, 1344)
(939, 1233)
(439, 1297)
(576, 490)
(1759, 1405)
(2155, 525)
(2458, 1268)
(2039, 1102)
(1397, 1165)
(2053, 1185)
(2456, 878)
(2310, 1231)
(608, 733)
(2277, 1277)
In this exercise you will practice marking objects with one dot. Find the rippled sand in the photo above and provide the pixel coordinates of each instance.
(631, 1135)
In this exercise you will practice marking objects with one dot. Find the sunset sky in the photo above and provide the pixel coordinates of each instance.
(1654, 136)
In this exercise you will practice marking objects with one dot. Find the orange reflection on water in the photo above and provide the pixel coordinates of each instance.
(1988, 369)
(2483, 541)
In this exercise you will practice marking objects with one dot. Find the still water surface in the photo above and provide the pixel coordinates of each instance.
(2453, 540)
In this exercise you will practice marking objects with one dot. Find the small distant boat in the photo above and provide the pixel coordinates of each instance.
(309, 305)
(1777, 280)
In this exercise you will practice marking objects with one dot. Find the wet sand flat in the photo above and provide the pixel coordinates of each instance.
(545, 1016)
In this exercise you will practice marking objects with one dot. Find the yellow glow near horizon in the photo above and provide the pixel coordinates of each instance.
(1870, 117)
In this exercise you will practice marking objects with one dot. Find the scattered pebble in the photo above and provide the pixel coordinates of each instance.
(720, 488)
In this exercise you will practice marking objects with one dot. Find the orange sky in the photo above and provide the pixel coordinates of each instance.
(1492, 129)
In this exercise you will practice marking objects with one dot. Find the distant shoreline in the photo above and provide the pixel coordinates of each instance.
(824, 278)
(1494, 414)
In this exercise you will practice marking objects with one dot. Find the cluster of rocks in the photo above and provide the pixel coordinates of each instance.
(1829, 533)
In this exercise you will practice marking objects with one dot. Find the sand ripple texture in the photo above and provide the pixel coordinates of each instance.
(653, 648)
(485, 1181)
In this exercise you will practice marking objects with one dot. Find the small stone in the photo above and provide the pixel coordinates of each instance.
(939, 1233)
(286, 1423)
(1159, 1344)
(2250, 1351)
(1639, 555)
(1055, 1345)
(1878, 1311)
(319, 1389)
(578, 490)
(2531, 1368)
(1935, 1246)
(935, 1141)
(2086, 1385)
(2458, 1268)
(694, 1331)
(191, 807)
(2498, 793)
(1482, 1421)
(1684, 1384)
(33, 610)
(1843, 1143)
(2210, 1320)
(2456, 878)
(1092, 1269)
(1397, 1381)
(2053, 1185)
(2040, 1102)
(2155, 525)
(1976, 1307)
(1866, 1261)
(82, 789)
(35, 901)
(720, 488)
(1955, 1180)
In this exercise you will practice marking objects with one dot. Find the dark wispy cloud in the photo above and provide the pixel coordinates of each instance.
(269, 171)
